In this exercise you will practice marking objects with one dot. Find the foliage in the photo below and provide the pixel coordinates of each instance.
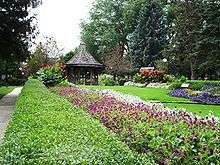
(177, 82)
(152, 75)
(115, 63)
(193, 50)
(69, 55)
(169, 78)
(46, 129)
(149, 37)
(106, 80)
(106, 28)
(37, 60)
(17, 29)
(199, 84)
(134, 123)
(5, 90)
(50, 75)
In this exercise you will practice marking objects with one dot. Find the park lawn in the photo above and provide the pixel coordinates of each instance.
(161, 95)
(5, 90)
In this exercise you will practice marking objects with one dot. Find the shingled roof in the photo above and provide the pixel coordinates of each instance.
(83, 59)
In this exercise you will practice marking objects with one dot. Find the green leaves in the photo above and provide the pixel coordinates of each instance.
(46, 129)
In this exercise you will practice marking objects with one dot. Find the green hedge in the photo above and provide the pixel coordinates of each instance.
(5, 90)
(46, 129)
(198, 84)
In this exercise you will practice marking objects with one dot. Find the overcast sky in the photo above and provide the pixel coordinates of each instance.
(61, 19)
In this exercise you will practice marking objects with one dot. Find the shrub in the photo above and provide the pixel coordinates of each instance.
(198, 84)
(106, 80)
(152, 75)
(46, 129)
(169, 78)
(50, 75)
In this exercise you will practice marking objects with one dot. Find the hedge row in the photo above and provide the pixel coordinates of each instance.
(46, 129)
(198, 84)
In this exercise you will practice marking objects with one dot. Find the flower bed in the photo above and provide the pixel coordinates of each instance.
(46, 129)
(167, 136)
(196, 96)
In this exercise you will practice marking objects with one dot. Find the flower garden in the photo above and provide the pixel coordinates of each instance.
(57, 122)
(167, 136)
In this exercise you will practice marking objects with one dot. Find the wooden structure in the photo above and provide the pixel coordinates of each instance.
(83, 68)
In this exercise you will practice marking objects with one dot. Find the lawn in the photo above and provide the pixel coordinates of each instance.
(161, 95)
(5, 90)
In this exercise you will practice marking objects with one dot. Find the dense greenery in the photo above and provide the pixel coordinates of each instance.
(46, 129)
(149, 37)
(185, 32)
(161, 95)
(16, 33)
(5, 90)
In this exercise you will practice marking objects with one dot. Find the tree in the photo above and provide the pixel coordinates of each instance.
(106, 28)
(149, 37)
(16, 31)
(182, 51)
(37, 60)
(69, 55)
(209, 43)
(116, 64)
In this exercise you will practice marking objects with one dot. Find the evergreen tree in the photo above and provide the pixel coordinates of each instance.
(149, 37)
(209, 43)
(16, 31)
(182, 53)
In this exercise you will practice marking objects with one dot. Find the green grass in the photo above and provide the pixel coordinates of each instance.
(161, 95)
(47, 129)
(5, 90)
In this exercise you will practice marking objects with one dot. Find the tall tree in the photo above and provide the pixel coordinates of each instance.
(106, 28)
(16, 30)
(149, 37)
(182, 52)
(209, 43)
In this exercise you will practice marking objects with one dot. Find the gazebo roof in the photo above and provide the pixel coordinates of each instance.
(83, 59)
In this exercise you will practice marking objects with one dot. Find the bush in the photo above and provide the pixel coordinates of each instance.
(175, 85)
(50, 75)
(169, 78)
(152, 75)
(106, 80)
(198, 84)
(46, 129)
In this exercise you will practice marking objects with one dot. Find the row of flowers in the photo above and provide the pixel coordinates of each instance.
(167, 136)
(196, 96)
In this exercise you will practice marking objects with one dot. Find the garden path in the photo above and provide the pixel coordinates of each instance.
(7, 105)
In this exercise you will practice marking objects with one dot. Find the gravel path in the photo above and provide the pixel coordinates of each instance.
(7, 105)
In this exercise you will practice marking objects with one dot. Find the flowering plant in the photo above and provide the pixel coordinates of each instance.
(202, 97)
(167, 136)
(50, 75)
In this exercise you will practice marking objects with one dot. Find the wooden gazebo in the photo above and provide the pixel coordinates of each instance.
(83, 68)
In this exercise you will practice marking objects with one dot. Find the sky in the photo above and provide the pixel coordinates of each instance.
(61, 19)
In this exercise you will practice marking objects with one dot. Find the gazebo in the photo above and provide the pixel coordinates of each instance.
(83, 68)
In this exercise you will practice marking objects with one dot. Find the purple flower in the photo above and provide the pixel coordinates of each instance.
(179, 93)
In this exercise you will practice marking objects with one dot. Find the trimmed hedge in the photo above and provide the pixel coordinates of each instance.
(46, 129)
(198, 84)
(5, 90)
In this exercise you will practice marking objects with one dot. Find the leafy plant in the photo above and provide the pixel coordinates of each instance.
(106, 80)
(50, 75)
(47, 129)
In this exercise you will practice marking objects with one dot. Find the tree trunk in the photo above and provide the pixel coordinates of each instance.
(193, 72)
